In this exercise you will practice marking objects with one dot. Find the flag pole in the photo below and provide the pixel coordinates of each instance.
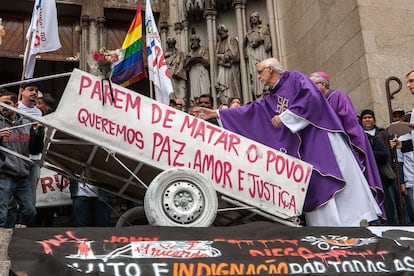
(151, 88)
(26, 54)
(25, 61)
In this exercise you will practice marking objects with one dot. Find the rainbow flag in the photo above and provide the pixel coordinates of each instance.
(131, 68)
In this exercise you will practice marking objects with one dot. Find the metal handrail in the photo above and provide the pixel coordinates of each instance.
(35, 79)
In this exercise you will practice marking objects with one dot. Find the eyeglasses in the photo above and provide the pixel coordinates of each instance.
(261, 70)
(31, 88)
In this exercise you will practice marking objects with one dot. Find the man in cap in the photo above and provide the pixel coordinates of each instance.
(385, 169)
(29, 92)
(398, 115)
(342, 105)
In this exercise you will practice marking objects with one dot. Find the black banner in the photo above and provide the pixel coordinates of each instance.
(260, 248)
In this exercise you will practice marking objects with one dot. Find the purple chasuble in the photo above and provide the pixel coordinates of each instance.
(299, 95)
(342, 105)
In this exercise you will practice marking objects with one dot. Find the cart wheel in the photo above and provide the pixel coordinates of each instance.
(180, 197)
(134, 216)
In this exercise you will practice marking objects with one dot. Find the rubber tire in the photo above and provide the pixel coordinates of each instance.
(167, 190)
(133, 216)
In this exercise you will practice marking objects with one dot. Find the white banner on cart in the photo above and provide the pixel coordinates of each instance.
(155, 134)
(51, 191)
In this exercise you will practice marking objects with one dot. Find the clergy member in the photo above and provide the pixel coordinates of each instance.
(296, 119)
(342, 105)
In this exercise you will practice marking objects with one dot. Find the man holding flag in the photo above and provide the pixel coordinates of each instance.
(157, 66)
(42, 35)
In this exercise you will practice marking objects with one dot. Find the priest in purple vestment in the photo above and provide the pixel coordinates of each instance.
(295, 118)
(342, 105)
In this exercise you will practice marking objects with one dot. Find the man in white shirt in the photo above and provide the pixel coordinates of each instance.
(29, 92)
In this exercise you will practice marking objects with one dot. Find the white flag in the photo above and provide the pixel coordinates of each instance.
(157, 68)
(42, 35)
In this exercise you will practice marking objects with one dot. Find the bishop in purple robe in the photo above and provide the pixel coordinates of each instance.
(296, 119)
(342, 105)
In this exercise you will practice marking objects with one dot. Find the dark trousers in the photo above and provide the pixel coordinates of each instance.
(390, 202)
(90, 212)
(20, 189)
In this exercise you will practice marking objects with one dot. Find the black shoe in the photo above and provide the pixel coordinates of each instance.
(377, 222)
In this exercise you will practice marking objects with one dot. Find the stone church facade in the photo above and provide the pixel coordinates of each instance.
(359, 43)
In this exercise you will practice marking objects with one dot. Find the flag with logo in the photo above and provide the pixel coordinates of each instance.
(42, 35)
(131, 69)
(157, 67)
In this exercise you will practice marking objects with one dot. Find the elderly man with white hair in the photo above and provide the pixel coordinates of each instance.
(296, 119)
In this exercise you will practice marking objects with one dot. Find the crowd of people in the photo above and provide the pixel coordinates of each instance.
(363, 188)
(21, 146)
(366, 176)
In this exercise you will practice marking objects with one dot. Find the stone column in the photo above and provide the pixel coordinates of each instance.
(239, 6)
(178, 27)
(184, 45)
(210, 16)
(184, 26)
(271, 11)
(94, 43)
(244, 20)
(173, 10)
(163, 31)
(100, 21)
(92, 25)
(84, 42)
(180, 9)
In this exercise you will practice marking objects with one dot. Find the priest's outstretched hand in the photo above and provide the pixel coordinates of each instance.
(204, 113)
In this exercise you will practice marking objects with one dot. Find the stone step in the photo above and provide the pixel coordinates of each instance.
(5, 238)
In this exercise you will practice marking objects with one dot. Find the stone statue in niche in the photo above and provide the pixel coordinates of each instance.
(228, 67)
(175, 60)
(258, 46)
(198, 66)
